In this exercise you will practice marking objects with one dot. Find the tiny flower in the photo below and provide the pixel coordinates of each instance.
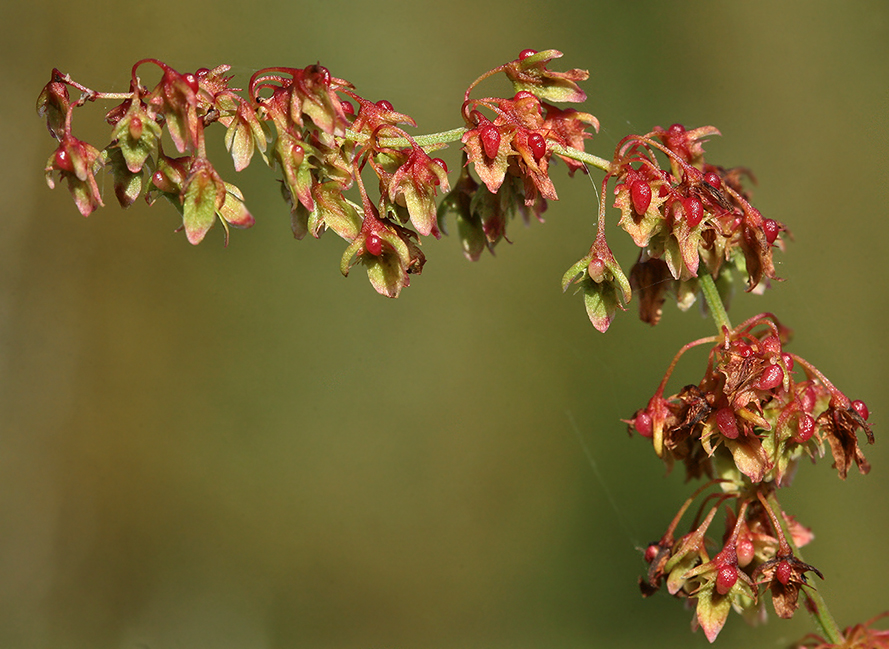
(463, 203)
(389, 251)
(785, 575)
(688, 145)
(203, 195)
(839, 425)
(54, 104)
(529, 73)
(245, 134)
(604, 285)
(77, 162)
(334, 211)
(569, 129)
(415, 184)
(176, 98)
(128, 185)
(136, 134)
(293, 155)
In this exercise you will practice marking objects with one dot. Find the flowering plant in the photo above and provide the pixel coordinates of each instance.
(756, 412)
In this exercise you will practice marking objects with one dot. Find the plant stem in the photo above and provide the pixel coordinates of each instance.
(816, 606)
(455, 134)
(714, 302)
(429, 140)
(589, 158)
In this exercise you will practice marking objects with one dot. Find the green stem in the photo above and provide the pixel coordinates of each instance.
(714, 302)
(589, 158)
(423, 140)
(817, 607)
(455, 134)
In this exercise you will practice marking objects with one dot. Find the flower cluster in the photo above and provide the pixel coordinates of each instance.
(320, 134)
(755, 413)
(689, 218)
(746, 425)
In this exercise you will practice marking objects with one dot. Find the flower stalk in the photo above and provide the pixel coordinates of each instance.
(757, 410)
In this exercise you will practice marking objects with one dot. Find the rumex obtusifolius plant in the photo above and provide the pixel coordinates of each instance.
(757, 411)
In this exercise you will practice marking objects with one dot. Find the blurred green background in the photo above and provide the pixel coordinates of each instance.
(209, 447)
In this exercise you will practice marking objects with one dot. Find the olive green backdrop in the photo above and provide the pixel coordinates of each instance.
(209, 447)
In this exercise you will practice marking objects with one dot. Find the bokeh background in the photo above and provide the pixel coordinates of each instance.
(239, 448)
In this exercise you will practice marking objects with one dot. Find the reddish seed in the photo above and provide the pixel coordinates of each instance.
(771, 344)
(771, 228)
(643, 424)
(676, 129)
(861, 408)
(596, 269)
(651, 552)
(640, 193)
(771, 378)
(694, 211)
(385, 105)
(191, 80)
(783, 572)
(805, 428)
(347, 107)
(725, 421)
(523, 94)
(788, 361)
(490, 138)
(63, 161)
(712, 178)
(322, 72)
(537, 145)
(807, 398)
(745, 549)
(742, 349)
(373, 244)
(524, 54)
(726, 577)
(160, 181)
(440, 163)
(135, 127)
